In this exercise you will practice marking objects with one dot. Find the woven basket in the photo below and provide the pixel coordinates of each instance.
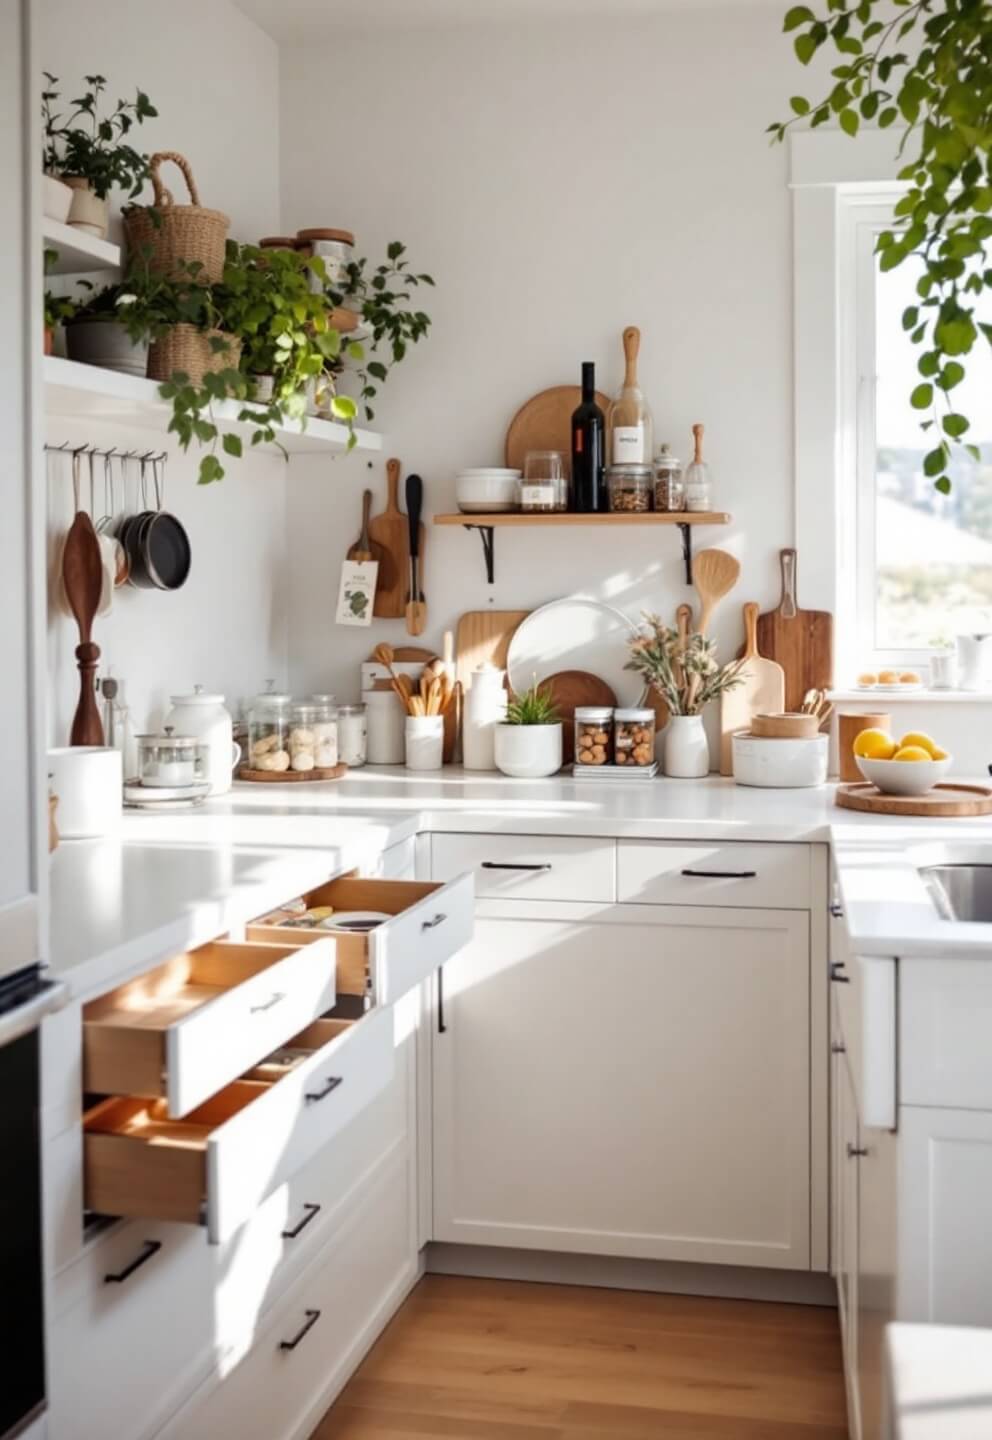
(177, 233)
(185, 348)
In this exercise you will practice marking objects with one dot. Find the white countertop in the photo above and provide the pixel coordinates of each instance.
(173, 880)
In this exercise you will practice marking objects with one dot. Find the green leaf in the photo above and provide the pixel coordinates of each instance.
(951, 375)
(849, 121)
(799, 105)
(232, 444)
(910, 317)
(796, 16)
(344, 407)
(210, 470)
(888, 117)
(943, 485)
(955, 425)
(805, 47)
(922, 397)
(934, 462)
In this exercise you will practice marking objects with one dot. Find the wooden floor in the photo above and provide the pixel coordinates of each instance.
(500, 1360)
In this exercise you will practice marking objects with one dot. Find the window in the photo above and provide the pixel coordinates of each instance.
(923, 560)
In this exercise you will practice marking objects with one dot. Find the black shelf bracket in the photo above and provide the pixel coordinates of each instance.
(487, 534)
(686, 549)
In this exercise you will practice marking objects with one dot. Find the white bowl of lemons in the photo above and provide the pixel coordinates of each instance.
(910, 766)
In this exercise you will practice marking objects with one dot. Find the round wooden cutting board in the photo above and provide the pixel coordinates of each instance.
(571, 689)
(942, 800)
(545, 423)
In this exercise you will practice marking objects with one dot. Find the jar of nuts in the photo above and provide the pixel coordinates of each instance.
(631, 488)
(268, 732)
(593, 735)
(633, 737)
(669, 486)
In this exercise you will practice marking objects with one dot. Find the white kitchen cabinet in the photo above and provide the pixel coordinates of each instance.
(876, 1298)
(626, 1080)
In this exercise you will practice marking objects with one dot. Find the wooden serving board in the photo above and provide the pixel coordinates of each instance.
(571, 689)
(292, 777)
(545, 423)
(390, 531)
(801, 641)
(762, 691)
(483, 637)
(942, 801)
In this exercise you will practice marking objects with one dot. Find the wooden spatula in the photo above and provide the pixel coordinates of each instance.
(416, 607)
(714, 574)
(361, 552)
(82, 575)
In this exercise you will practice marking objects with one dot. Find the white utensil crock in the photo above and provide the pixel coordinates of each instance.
(528, 752)
(485, 707)
(424, 742)
(206, 719)
(687, 751)
(89, 780)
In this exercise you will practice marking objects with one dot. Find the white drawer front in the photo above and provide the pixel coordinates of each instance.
(409, 947)
(529, 867)
(746, 876)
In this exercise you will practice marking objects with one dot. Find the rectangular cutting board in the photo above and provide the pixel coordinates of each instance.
(484, 636)
(801, 641)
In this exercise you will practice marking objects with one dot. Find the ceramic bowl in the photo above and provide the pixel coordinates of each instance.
(904, 777)
(492, 490)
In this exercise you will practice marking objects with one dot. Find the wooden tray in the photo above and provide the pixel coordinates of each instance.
(291, 777)
(942, 800)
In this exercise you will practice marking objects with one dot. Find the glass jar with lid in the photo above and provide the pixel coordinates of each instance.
(633, 736)
(325, 728)
(269, 724)
(669, 484)
(544, 487)
(631, 488)
(171, 760)
(593, 735)
(352, 734)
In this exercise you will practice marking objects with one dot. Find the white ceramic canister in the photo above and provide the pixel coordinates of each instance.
(687, 751)
(485, 707)
(206, 718)
(424, 742)
(89, 781)
(781, 763)
(352, 735)
(385, 726)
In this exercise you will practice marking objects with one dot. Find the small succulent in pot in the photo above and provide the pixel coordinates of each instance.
(528, 743)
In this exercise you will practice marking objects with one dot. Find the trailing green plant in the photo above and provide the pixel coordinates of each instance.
(685, 673)
(924, 66)
(95, 150)
(535, 706)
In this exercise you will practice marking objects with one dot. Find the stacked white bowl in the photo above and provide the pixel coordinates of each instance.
(487, 490)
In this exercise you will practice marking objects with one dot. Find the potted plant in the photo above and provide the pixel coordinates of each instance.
(93, 157)
(113, 327)
(57, 308)
(685, 673)
(528, 743)
(56, 195)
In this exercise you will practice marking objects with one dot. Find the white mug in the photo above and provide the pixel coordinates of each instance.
(88, 780)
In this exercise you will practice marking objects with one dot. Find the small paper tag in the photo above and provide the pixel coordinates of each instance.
(357, 593)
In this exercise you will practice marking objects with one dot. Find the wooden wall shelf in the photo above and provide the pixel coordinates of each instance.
(487, 525)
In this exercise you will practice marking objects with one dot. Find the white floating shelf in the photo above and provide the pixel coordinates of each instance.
(86, 392)
(78, 253)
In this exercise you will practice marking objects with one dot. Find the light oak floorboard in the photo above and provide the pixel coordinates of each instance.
(504, 1360)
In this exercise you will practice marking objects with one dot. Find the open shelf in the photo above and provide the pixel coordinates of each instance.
(78, 253)
(487, 525)
(87, 392)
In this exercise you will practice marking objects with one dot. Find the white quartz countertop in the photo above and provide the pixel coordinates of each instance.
(169, 881)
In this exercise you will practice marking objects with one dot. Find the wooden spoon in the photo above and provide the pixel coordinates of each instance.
(82, 575)
(364, 548)
(714, 574)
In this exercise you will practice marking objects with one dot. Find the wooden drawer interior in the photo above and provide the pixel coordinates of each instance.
(124, 1031)
(141, 1163)
(391, 897)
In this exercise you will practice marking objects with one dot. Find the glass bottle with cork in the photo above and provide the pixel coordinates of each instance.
(631, 437)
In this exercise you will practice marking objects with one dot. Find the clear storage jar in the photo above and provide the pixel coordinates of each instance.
(335, 247)
(633, 736)
(325, 728)
(352, 734)
(312, 738)
(631, 488)
(593, 735)
(669, 483)
(269, 724)
(171, 760)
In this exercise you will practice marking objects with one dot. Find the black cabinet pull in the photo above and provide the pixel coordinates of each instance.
(441, 1026)
(836, 909)
(721, 874)
(312, 1212)
(430, 924)
(856, 1151)
(150, 1248)
(496, 865)
(312, 1317)
(838, 1048)
(333, 1081)
(837, 973)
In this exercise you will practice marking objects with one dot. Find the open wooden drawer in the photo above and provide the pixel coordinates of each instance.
(192, 1025)
(427, 925)
(218, 1163)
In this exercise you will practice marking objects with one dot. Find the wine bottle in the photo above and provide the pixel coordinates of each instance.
(588, 448)
(630, 425)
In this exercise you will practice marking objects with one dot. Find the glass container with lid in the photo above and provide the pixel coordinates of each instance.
(633, 736)
(171, 760)
(698, 480)
(352, 734)
(269, 724)
(312, 740)
(593, 735)
(544, 487)
(630, 488)
(669, 485)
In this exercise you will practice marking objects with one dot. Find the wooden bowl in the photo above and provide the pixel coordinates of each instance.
(785, 727)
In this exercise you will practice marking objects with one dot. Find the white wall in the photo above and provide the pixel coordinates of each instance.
(213, 76)
(560, 182)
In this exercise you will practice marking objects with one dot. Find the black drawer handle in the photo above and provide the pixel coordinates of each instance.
(312, 1317)
(837, 974)
(838, 1048)
(273, 1000)
(150, 1248)
(856, 1151)
(721, 874)
(441, 1026)
(312, 1212)
(496, 865)
(431, 924)
(333, 1081)
(836, 909)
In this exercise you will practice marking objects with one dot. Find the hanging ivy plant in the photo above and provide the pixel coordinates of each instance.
(924, 66)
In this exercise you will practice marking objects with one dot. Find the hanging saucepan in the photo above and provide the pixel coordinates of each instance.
(159, 546)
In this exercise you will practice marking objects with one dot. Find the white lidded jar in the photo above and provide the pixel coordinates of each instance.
(485, 707)
(385, 725)
(207, 719)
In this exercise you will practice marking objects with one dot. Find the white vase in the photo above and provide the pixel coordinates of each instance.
(485, 707)
(88, 212)
(687, 751)
(528, 752)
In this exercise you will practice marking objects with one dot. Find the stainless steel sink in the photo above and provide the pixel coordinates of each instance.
(961, 891)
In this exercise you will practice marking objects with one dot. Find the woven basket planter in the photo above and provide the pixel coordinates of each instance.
(177, 234)
(185, 348)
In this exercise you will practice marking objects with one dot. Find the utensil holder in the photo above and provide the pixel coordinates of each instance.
(424, 735)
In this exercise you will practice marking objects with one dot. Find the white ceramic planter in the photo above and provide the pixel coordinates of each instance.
(107, 344)
(56, 198)
(528, 752)
(87, 212)
(687, 751)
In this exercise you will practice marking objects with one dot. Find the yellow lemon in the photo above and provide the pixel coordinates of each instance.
(912, 752)
(874, 745)
(937, 754)
(916, 740)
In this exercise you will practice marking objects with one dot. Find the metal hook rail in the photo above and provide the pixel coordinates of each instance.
(150, 456)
